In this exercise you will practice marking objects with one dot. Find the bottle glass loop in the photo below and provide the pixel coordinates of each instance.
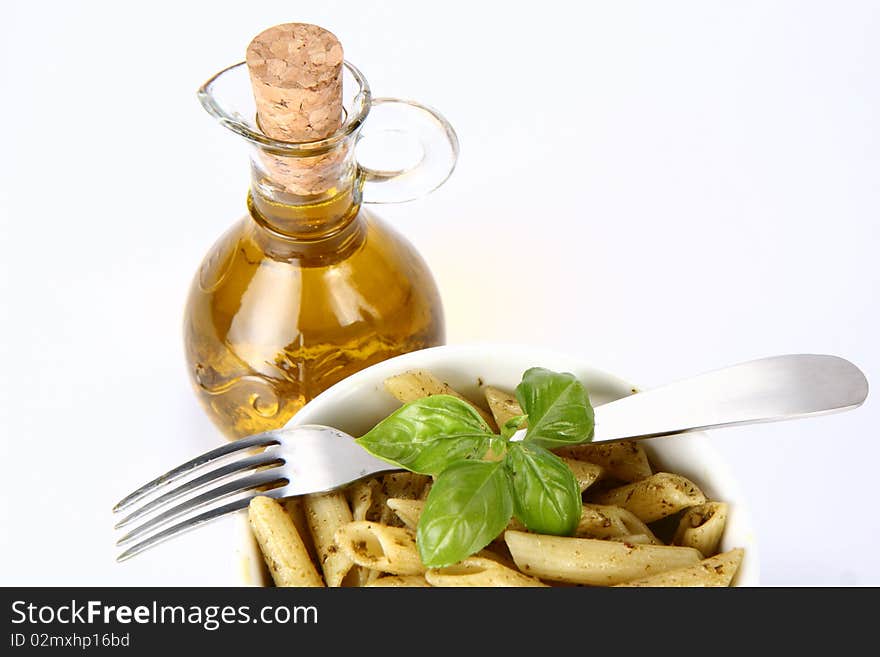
(310, 286)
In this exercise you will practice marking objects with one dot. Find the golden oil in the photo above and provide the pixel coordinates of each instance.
(273, 320)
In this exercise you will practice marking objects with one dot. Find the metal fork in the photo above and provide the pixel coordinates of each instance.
(313, 458)
(295, 461)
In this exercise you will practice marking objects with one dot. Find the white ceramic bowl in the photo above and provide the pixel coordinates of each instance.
(359, 401)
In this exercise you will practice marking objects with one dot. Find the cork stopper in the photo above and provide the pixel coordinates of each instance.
(296, 75)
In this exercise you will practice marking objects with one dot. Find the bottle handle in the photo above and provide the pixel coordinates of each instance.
(405, 151)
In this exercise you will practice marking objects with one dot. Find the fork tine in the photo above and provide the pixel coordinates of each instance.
(259, 440)
(238, 485)
(192, 523)
(248, 463)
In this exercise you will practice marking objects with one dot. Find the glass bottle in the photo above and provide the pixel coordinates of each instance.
(306, 289)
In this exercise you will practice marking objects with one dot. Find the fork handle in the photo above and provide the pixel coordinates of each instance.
(764, 390)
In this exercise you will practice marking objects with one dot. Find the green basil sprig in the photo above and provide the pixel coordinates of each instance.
(483, 479)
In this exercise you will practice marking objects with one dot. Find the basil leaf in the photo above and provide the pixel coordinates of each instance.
(469, 504)
(512, 426)
(428, 434)
(546, 497)
(558, 407)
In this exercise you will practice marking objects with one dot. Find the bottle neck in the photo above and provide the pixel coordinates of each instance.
(305, 197)
(316, 234)
(302, 219)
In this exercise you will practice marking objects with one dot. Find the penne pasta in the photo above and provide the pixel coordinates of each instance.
(407, 510)
(400, 485)
(636, 539)
(378, 501)
(603, 521)
(282, 547)
(404, 485)
(656, 497)
(597, 521)
(294, 508)
(497, 551)
(361, 498)
(625, 460)
(416, 384)
(586, 473)
(380, 547)
(479, 571)
(701, 527)
(399, 581)
(591, 561)
(366, 576)
(325, 513)
(714, 571)
(504, 406)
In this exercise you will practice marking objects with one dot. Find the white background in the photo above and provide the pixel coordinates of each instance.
(664, 188)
